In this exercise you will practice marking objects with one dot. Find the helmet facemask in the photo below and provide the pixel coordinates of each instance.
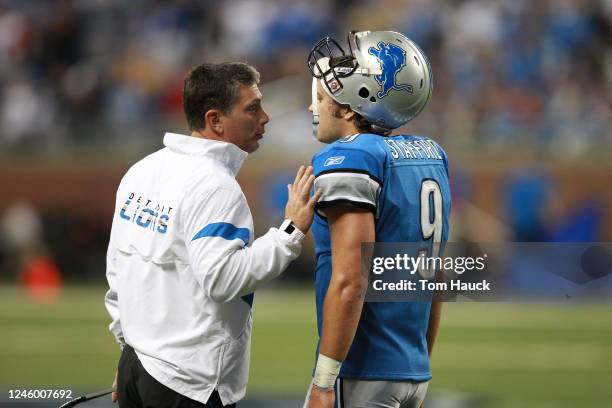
(329, 62)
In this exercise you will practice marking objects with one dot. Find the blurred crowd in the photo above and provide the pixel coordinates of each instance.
(507, 73)
(106, 76)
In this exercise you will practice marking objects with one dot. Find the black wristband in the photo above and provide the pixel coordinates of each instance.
(289, 228)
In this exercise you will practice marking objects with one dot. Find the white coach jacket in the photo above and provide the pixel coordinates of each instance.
(181, 271)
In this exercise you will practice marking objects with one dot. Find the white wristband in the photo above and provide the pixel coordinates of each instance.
(326, 372)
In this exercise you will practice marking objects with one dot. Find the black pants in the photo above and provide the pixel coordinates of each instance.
(137, 389)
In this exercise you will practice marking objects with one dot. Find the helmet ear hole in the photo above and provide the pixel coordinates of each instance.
(372, 99)
(363, 92)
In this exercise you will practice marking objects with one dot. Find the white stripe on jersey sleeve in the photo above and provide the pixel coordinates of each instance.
(347, 188)
(349, 174)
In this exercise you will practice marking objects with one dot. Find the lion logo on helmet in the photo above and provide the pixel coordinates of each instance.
(392, 59)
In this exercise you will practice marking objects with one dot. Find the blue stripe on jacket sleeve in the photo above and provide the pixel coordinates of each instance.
(224, 230)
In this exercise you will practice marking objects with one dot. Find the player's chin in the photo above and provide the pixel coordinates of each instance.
(324, 138)
(320, 136)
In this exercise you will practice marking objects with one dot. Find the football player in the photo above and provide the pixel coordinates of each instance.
(377, 187)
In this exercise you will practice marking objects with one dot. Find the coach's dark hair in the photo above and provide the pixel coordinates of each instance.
(214, 86)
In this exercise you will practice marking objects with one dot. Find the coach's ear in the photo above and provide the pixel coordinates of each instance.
(213, 121)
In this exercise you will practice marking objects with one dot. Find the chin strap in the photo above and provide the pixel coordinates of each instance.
(381, 130)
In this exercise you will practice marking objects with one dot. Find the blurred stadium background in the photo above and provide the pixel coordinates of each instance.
(522, 103)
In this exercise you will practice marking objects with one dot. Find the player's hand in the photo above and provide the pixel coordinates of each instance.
(300, 205)
(320, 398)
(114, 396)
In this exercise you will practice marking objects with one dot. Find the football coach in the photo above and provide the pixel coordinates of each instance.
(182, 262)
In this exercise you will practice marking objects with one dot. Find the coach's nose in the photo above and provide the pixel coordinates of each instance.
(265, 117)
(310, 108)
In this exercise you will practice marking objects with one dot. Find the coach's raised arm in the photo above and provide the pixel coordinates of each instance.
(221, 260)
(182, 261)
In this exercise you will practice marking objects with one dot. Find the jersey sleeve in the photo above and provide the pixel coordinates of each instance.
(444, 158)
(347, 177)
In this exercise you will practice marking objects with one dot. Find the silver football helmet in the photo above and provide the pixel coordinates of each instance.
(385, 77)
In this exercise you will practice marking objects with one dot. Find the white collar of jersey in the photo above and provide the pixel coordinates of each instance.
(228, 154)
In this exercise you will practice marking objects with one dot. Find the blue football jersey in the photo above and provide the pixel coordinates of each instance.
(391, 176)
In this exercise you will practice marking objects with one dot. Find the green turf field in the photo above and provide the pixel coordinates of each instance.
(506, 354)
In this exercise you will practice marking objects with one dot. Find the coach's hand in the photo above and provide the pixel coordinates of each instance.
(114, 394)
(300, 206)
(321, 398)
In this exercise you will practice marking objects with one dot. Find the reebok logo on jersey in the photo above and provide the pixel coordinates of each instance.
(333, 160)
